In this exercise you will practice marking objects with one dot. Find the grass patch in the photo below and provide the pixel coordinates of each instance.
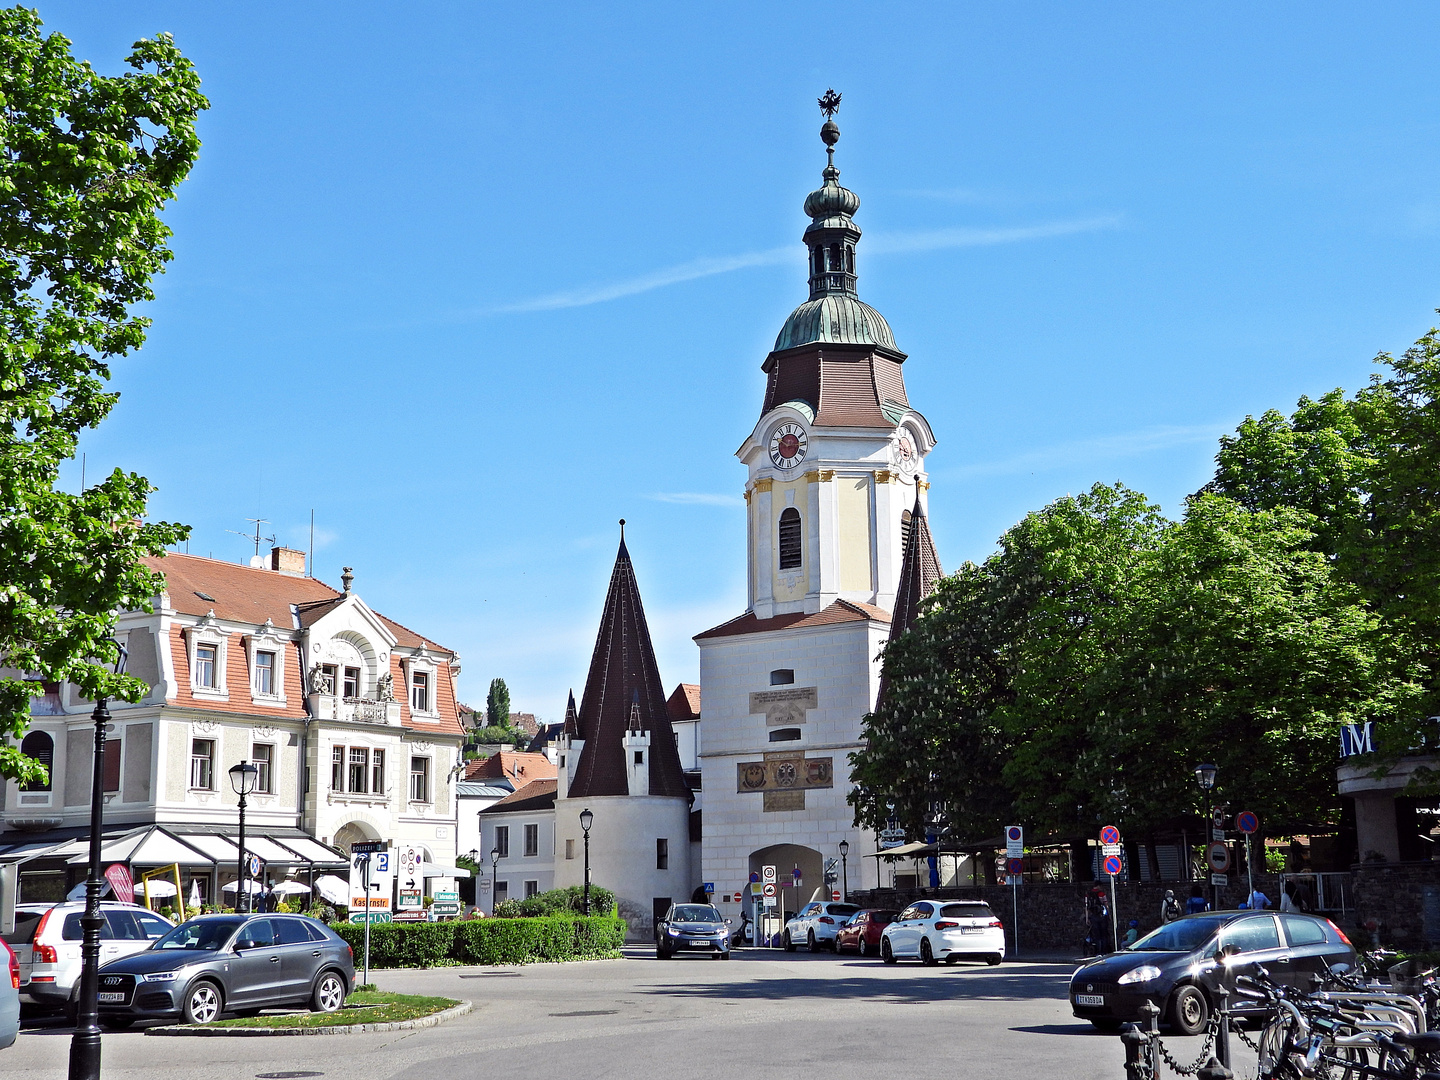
(361, 1007)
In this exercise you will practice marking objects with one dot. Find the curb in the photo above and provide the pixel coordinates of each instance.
(347, 1029)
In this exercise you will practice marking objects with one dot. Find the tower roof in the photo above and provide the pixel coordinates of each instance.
(624, 687)
(919, 574)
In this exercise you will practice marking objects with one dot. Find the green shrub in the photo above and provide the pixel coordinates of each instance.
(558, 901)
(486, 941)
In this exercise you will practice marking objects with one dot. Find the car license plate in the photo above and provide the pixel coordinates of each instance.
(699, 944)
(111, 999)
(971, 929)
(1089, 999)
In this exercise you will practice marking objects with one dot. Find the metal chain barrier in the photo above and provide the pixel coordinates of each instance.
(1206, 1047)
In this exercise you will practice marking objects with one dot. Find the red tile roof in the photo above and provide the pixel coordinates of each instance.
(536, 795)
(510, 765)
(841, 611)
(684, 702)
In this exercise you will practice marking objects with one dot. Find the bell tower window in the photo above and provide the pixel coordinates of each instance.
(835, 263)
(790, 540)
(849, 258)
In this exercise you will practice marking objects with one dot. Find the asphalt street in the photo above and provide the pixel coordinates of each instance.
(773, 1015)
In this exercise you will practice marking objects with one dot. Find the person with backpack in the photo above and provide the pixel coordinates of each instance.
(1169, 908)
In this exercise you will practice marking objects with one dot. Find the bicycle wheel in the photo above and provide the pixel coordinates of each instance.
(1276, 1042)
(1345, 1063)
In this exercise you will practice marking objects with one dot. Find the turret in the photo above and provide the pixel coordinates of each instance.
(637, 752)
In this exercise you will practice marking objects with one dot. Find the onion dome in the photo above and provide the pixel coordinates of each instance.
(835, 318)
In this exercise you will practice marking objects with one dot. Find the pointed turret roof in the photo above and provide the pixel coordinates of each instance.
(572, 721)
(624, 685)
(919, 574)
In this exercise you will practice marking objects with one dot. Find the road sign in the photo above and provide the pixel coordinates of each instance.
(767, 873)
(364, 846)
(887, 844)
(1247, 822)
(709, 886)
(1217, 857)
(1107, 850)
(737, 898)
(253, 864)
(1109, 835)
(769, 901)
(892, 834)
(769, 890)
(1112, 865)
(1015, 867)
(1219, 879)
(796, 874)
(1014, 841)
(834, 894)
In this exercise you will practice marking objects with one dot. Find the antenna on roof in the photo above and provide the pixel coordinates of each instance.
(257, 522)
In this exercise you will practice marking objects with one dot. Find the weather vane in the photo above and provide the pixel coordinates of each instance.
(830, 103)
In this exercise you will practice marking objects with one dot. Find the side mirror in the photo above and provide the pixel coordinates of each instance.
(1224, 952)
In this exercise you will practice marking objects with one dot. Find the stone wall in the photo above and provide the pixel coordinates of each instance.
(1396, 904)
(1051, 917)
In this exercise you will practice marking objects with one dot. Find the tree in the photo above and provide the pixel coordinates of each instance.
(88, 163)
(497, 705)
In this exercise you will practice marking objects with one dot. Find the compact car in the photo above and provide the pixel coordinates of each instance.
(1175, 966)
(689, 929)
(9, 996)
(935, 930)
(862, 932)
(229, 963)
(816, 924)
(47, 939)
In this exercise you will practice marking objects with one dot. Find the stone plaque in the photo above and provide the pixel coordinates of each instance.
(786, 707)
(782, 800)
(789, 772)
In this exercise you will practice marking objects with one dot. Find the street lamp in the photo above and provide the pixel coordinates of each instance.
(1205, 777)
(844, 871)
(85, 1043)
(494, 878)
(243, 778)
(586, 820)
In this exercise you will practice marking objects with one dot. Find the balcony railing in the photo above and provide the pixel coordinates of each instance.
(359, 710)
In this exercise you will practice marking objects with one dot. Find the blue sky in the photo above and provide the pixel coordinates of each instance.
(472, 281)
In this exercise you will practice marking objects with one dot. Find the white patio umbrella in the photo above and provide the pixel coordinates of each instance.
(158, 887)
(195, 900)
(252, 887)
(291, 888)
(333, 888)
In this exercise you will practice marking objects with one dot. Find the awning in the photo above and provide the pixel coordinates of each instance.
(147, 847)
(913, 850)
(430, 870)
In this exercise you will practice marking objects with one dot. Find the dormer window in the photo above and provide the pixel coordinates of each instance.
(420, 691)
(264, 672)
(205, 666)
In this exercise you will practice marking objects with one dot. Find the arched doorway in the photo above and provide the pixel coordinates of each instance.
(353, 832)
(786, 858)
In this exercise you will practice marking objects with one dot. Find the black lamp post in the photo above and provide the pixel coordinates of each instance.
(1205, 777)
(243, 778)
(586, 820)
(844, 871)
(85, 1043)
(474, 854)
(494, 878)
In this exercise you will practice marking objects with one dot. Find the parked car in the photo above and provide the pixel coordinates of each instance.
(862, 932)
(229, 963)
(816, 924)
(935, 930)
(9, 996)
(692, 928)
(1175, 966)
(47, 940)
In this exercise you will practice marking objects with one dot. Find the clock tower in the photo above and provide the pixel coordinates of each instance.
(835, 496)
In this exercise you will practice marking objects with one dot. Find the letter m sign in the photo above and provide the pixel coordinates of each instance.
(1357, 739)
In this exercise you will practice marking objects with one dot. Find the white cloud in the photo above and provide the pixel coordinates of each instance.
(696, 498)
(1125, 444)
(882, 243)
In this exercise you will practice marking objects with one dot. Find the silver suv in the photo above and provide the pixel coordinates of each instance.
(46, 941)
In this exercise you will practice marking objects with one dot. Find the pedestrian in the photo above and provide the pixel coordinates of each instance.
(1197, 902)
(1258, 901)
(1287, 898)
(1097, 921)
(1132, 935)
(1169, 908)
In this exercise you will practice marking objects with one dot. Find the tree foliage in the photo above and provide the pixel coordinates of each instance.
(497, 705)
(87, 162)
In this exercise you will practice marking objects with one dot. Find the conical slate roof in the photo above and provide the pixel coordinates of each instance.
(919, 574)
(572, 722)
(624, 683)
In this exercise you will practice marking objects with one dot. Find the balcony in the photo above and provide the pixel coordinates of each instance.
(355, 710)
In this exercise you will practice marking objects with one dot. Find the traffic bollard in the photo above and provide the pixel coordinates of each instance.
(1213, 1070)
(1137, 1067)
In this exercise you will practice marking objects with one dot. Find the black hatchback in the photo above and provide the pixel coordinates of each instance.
(1175, 966)
(229, 963)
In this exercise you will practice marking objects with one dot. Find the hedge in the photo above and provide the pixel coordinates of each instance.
(486, 941)
(559, 902)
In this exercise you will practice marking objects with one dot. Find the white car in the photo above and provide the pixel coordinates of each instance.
(9, 996)
(816, 924)
(935, 930)
(47, 940)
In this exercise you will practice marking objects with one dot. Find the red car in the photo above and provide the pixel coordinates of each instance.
(862, 933)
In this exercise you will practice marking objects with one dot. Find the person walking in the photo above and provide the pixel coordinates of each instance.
(1197, 902)
(1169, 908)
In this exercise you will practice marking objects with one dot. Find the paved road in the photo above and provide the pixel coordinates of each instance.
(772, 1015)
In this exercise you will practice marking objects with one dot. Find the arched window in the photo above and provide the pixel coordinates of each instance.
(790, 539)
(39, 747)
(904, 531)
(849, 259)
(819, 259)
(835, 261)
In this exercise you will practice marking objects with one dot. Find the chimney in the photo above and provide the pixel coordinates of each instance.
(287, 561)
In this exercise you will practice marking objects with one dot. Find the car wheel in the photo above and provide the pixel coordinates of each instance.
(203, 1003)
(116, 1023)
(864, 948)
(927, 954)
(885, 953)
(661, 954)
(789, 945)
(994, 959)
(810, 943)
(1189, 1011)
(329, 993)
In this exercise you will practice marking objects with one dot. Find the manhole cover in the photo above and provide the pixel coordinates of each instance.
(285, 1075)
(588, 1012)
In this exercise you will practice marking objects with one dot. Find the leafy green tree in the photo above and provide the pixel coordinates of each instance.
(88, 163)
(497, 705)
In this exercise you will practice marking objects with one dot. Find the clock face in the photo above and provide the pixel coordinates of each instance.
(787, 446)
(905, 454)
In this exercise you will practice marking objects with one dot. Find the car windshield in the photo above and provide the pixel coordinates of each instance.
(203, 935)
(967, 911)
(1182, 935)
(696, 913)
(843, 909)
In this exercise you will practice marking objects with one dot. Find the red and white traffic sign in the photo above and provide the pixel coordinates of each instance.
(834, 894)
(769, 888)
(737, 898)
(1217, 857)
